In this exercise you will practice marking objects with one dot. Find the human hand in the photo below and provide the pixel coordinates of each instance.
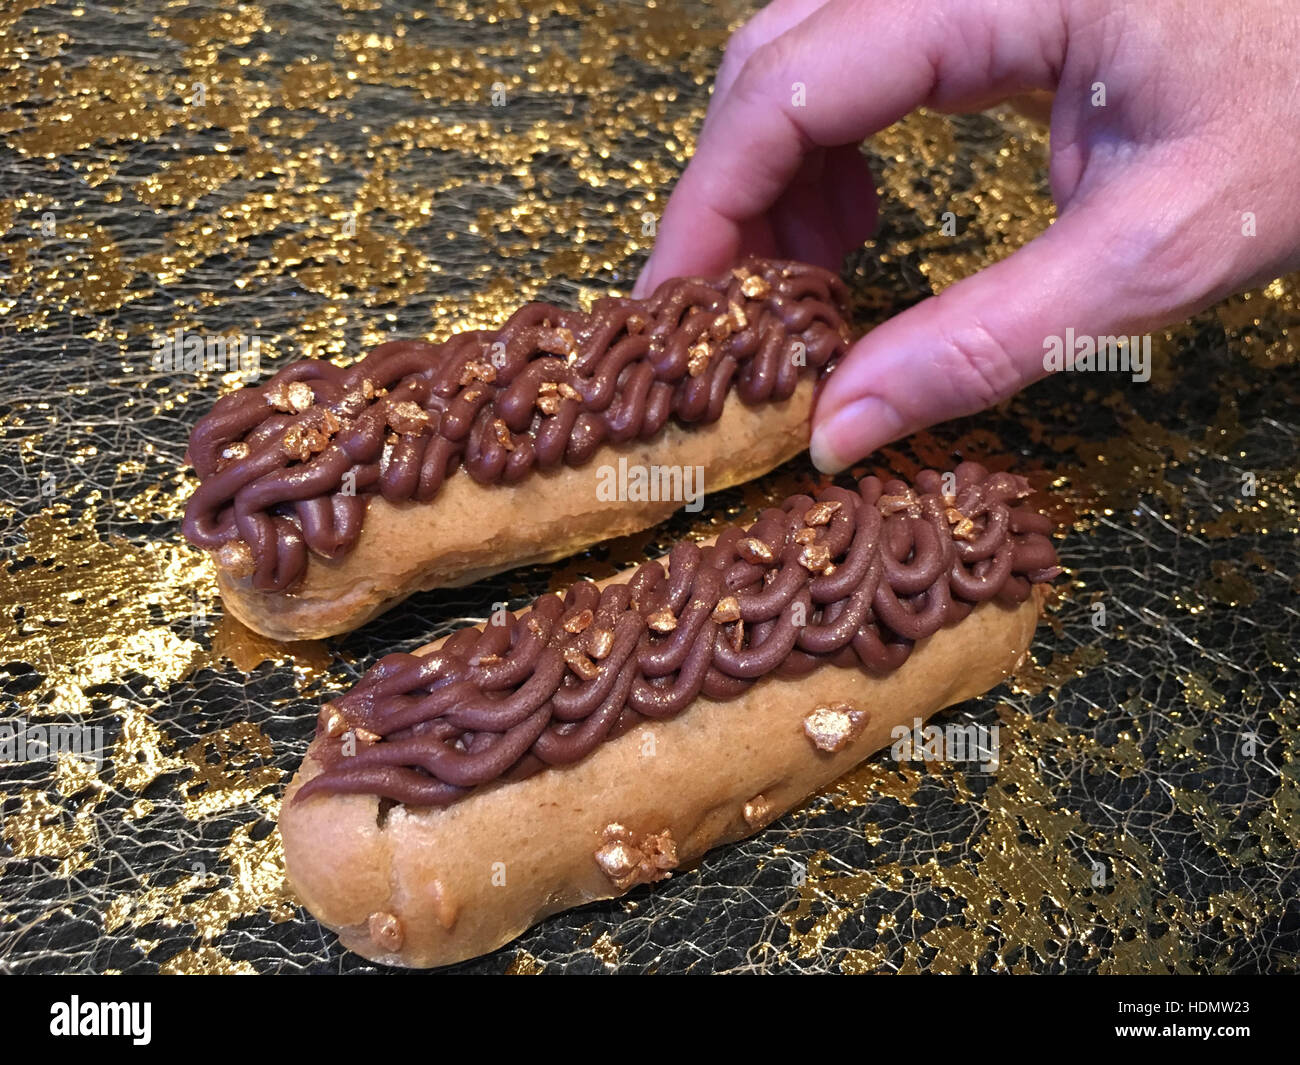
(1178, 190)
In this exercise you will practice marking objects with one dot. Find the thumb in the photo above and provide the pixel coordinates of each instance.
(1115, 264)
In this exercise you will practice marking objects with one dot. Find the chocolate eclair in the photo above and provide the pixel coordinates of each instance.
(601, 738)
(330, 493)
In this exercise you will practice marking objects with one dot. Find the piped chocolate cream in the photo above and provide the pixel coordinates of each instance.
(848, 578)
(286, 469)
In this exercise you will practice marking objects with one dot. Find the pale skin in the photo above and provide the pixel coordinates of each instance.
(1198, 142)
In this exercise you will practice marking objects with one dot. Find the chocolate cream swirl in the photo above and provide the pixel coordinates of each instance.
(286, 469)
(850, 578)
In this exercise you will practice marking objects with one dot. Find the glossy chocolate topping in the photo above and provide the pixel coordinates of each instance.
(849, 578)
(287, 468)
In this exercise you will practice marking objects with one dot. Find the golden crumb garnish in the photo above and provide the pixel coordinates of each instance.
(821, 513)
(503, 436)
(301, 396)
(755, 287)
(741, 273)
(805, 536)
(660, 848)
(535, 626)
(334, 721)
(727, 610)
(600, 643)
(629, 859)
(386, 931)
(578, 622)
(237, 450)
(721, 327)
(698, 362)
(636, 324)
(832, 728)
(962, 527)
(557, 341)
(739, 319)
(407, 418)
(581, 664)
(484, 660)
(758, 811)
(752, 549)
(662, 621)
(445, 906)
(235, 557)
(893, 504)
(366, 736)
(473, 394)
(301, 442)
(736, 635)
(618, 861)
(815, 557)
(477, 370)
(552, 394)
(292, 397)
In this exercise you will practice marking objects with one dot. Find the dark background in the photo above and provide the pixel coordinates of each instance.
(345, 176)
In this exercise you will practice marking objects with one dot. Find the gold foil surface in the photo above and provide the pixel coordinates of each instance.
(321, 176)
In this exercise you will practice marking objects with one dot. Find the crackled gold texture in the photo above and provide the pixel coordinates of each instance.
(325, 176)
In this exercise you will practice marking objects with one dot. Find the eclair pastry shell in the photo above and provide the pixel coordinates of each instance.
(463, 880)
(471, 530)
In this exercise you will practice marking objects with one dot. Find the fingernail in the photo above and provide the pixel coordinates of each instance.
(843, 438)
(823, 453)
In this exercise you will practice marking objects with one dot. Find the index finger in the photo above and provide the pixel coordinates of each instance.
(848, 70)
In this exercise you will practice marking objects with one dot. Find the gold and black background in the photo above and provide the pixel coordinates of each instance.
(344, 176)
